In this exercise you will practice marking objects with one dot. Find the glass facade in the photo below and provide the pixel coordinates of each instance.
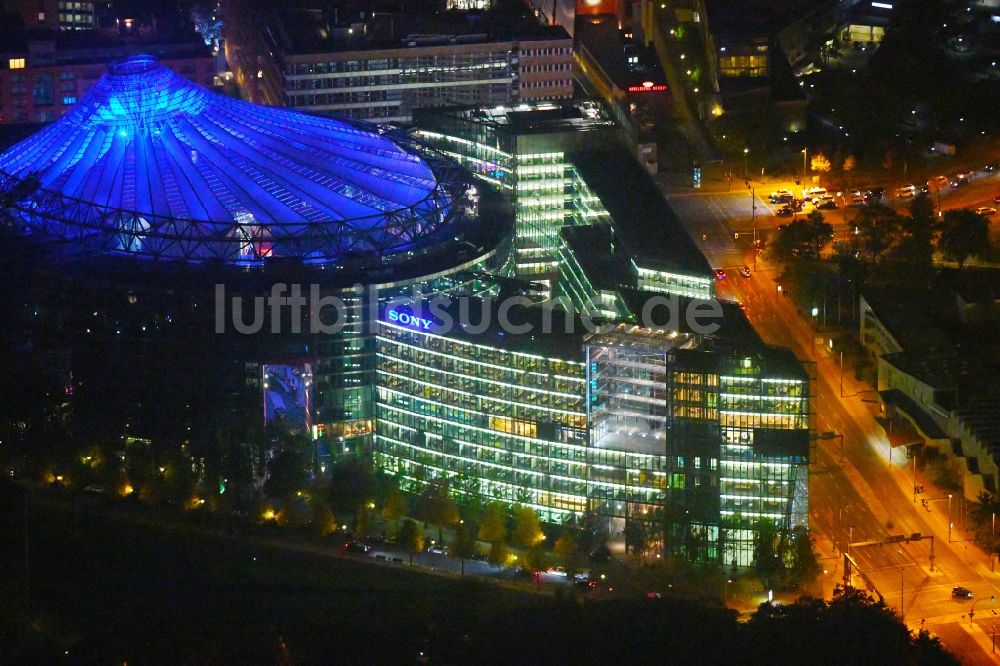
(702, 444)
(548, 192)
(386, 85)
(500, 424)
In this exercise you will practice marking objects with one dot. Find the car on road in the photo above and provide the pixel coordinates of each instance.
(937, 182)
(437, 549)
(986, 211)
(960, 592)
(906, 191)
(966, 175)
(720, 275)
(745, 271)
(959, 182)
(991, 167)
(875, 193)
(996, 199)
(481, 557)
(356, 547)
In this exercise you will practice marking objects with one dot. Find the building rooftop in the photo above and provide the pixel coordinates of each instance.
(643, 221)
(318, 26)
(592, 247)
(150, 164)
(897, 399)
(906, 319)
(535, 118)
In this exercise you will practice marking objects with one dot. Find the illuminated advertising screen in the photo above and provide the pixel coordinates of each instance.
(288, 396)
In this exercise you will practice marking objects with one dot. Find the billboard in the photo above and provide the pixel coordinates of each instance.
(288, 396)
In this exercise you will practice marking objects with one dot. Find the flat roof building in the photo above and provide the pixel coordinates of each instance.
(703, 436)
(380, 66)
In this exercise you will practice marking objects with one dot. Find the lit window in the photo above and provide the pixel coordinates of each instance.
(41, 16)
(16, 63)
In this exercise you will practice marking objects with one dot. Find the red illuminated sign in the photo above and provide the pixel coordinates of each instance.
(648, 86)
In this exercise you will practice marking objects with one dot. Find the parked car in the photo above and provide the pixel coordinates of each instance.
(986, 211)
(826, 203)
(966, 175)
(437, 549)
(875, 193)
(781, 196)
(785, 211)
(814, 193)
(960, 592)
(481, 557)
(906, 192)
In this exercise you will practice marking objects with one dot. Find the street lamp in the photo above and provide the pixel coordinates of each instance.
(972, 611)
(805, 152)
(902, 604)
(746, 171)
(949, 518)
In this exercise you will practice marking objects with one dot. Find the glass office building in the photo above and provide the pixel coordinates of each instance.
(525, 149)
(500, 423)
(629, 423)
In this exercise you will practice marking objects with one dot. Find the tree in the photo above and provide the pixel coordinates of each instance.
(850, 163)
(352, 485)
(411, 538)
(324, 522)
(569, 553)
(395, 507)
(437, 507)
(767, 560)
(286, 474)
(805, 566)
(853, 628)
(636, 536)
(527, 528)
(879, 229)
(464, 546)
(802, 239)
(493, 529)
(535, 558)
(498, 554)
(964, 234)
(819, 163)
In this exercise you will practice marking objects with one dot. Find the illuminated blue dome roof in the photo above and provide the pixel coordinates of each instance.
(148, 163)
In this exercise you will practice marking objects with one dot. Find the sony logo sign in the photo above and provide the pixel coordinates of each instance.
(410, 320)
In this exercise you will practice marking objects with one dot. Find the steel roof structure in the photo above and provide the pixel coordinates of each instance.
(150, 164)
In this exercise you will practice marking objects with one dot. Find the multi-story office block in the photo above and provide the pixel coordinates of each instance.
(701, 437)
(382, 66)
